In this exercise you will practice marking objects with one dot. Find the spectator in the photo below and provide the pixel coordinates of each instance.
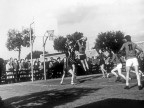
(36, 64)
(21, 65)
(9, 70)
(1, 67)
(16, 70)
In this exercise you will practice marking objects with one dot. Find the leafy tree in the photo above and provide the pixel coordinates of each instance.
(36, 54)
(59, 43)
(109, 41)
(16, 40)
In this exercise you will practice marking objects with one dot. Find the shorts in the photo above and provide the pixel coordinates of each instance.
(119, 66)
(82, 57)
(132, 62)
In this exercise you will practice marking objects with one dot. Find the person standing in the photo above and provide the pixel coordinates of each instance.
(16, 70)
(102, 58)
(69, 62)
(131, 60)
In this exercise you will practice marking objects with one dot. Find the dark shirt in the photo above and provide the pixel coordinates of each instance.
(115, 59)
(130, 49)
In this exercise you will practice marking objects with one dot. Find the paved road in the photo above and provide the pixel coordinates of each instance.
(92, 91)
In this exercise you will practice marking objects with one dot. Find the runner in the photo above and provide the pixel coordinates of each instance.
(131, 60)
(116, 59)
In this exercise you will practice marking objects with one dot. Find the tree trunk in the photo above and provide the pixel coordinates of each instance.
(19, 53)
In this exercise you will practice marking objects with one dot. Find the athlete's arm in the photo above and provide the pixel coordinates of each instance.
(140, 50)
(137, 47)
(113, 57)
(122, 48)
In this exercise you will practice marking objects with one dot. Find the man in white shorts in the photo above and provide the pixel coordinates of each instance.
(117, 60)
(131, 60)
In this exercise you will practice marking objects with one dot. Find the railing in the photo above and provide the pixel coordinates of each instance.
(20, 76)
(25, 75)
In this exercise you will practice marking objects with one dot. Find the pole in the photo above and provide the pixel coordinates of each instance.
(44, 59)
(31, 45)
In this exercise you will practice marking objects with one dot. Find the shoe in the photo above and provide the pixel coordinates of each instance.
(140, 87)
(127, 87)
(61, 83)
(118, 79)
(107, 75)
(72, 83)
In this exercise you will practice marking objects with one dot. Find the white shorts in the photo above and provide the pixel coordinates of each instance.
(119, 66)
(132, 62)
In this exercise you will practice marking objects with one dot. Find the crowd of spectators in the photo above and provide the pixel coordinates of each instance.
(20, 70)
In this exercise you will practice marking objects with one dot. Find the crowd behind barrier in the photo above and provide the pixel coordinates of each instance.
(19, 71)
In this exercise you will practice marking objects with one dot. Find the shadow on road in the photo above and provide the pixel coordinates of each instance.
(88, 78)
(50, 99)
(115, 103)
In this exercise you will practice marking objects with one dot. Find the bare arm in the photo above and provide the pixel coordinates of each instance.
(140, 50)
(137, 47)
(113, 57)
(78, 43)
(122, 48)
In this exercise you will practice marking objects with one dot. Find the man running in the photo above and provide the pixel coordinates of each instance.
(131, 60)
(118, 61)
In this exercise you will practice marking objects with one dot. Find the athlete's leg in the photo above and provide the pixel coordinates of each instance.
(137, 75)
(120, 74)
(62, 77)
(73, 75)
(128, 65)
(82, 62)
(127, 75)
(74, 71)
(87, 66)
(119, 68)
(103, 70)
(136, 67)
(113, 71)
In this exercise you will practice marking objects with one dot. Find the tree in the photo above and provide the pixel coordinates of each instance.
(16, 40)
(109, 41)
(36, 54)
(59, 43)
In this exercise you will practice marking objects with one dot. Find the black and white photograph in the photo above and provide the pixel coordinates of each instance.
(71, 53)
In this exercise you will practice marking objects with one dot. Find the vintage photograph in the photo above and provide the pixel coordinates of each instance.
(72, 53)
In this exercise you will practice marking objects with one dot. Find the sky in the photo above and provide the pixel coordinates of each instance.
(90, 17)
